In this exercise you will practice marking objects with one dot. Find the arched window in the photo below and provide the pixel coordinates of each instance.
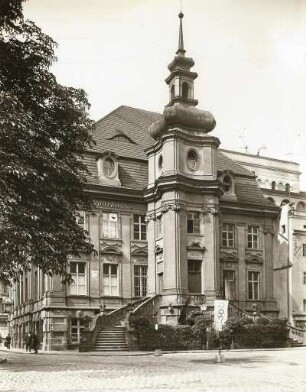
(160, 162)
(271, 200)
(192, 160)
(172, 92)
(273, 185)
(285, 201)
(300, 206)
(185, 90)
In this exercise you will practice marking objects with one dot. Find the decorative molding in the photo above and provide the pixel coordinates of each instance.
(196, 245)
(255, 259)
(110, 249)
(137, 250)
(158, 249)
(229, 256)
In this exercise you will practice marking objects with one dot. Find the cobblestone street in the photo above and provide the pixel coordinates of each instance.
(277, 370)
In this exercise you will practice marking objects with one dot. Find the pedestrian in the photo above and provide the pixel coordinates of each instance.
(7, 342)
(27, 340)
(34, 342)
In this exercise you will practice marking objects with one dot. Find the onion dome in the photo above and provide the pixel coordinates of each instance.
(181, 110)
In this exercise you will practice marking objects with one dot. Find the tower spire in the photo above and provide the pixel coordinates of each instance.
(181, 51)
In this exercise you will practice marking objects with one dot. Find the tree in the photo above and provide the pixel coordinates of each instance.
(44, 130)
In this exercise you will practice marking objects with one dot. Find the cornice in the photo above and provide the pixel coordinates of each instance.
(186, 184)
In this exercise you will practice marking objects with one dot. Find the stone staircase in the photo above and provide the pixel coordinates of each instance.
(111, 338)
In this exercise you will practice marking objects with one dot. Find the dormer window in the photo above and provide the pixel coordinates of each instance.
(227, 183)
(109, 167)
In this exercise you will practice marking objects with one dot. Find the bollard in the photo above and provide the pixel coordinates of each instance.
(219, 358)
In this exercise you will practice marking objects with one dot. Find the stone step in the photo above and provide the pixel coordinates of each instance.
(110, 340)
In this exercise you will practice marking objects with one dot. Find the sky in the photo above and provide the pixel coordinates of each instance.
(250, 56)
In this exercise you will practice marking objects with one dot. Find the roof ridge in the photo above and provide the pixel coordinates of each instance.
(141, 110)
(108, 114)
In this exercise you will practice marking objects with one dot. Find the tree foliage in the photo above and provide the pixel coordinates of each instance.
(44, 130)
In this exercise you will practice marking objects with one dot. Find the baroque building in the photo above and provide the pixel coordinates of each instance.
(279, 182)
(177, 223)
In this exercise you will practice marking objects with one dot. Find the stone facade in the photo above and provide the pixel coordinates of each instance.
(279, 181)
(173, 216)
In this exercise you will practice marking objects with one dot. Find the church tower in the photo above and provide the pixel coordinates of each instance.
(183, 198)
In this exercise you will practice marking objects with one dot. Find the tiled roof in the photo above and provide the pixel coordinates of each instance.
(134, 123)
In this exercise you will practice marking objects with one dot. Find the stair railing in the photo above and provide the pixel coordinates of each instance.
(295, 333)
(149, 308)
(105, 320)
(235, 310)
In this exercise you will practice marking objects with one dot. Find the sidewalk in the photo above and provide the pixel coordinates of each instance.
(4, 350)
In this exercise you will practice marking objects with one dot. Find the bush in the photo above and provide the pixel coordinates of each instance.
(240, 331)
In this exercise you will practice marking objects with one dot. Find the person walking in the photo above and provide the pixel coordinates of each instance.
(27, 340)
(7, 342)
(34, 342)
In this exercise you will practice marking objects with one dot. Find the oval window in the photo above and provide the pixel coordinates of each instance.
(227, 183)
(192, 160)
(108, 167)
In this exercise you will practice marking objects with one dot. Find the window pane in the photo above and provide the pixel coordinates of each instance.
(114, 269)
(105, 269)
(73, 268)
(81, 268)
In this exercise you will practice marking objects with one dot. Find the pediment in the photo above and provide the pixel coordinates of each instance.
(254, 259)
(111, 250)
(196, 245)
(140, 252)
(229, 257)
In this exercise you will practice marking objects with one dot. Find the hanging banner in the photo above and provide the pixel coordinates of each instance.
(220, 313)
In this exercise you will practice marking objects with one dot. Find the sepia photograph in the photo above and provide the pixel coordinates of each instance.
(152, 195)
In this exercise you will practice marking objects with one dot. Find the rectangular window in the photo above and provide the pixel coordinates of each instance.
(110, 225)
(140, 227)
(228, 235)
(159, 227)
(253, 285)
(26, 288)
(140, 280)
(304, 305)
(304, 250)
(76, 330)
(229, 285)
(193, 223)
(194, 276)
(253, 237)
(110, 279)
(36, 285)
(78, 273)
(304, 277)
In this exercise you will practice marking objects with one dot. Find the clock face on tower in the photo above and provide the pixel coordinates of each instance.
(192, 160)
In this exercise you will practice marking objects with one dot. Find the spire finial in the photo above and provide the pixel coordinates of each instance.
(181, 49)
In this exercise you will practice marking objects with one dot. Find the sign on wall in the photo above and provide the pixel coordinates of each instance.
(220, 313)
